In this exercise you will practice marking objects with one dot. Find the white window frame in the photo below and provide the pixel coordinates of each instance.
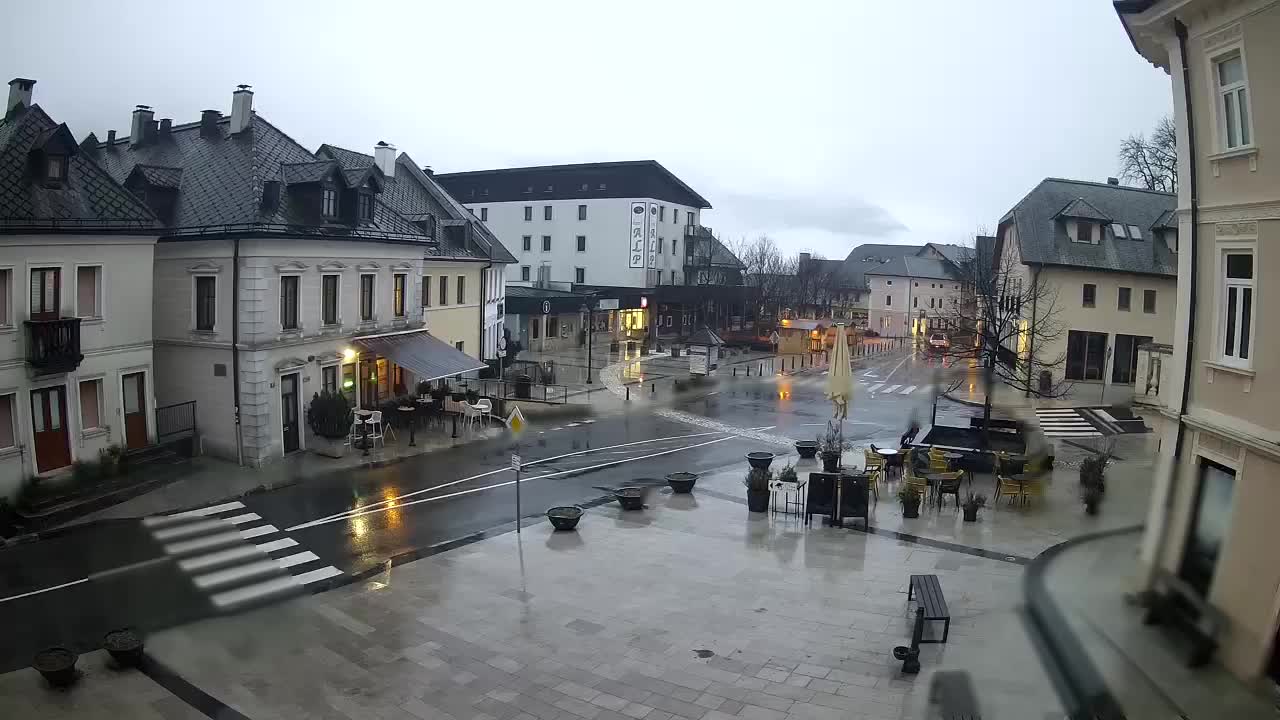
(404, 296)
(1244, 125)
(1223, 283)
(526, 273)
(580, 275)
(337, 300)
(101, 388)
(99, 289)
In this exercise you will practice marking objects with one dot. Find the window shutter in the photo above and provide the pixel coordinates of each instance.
(87, 291)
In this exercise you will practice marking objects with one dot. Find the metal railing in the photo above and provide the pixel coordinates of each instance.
(175, 421)
(511, 390)
(53, 346)
(698, 231)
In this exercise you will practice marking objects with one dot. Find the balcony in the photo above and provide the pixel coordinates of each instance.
(694, 232)
(53, 346)
(1151, 387)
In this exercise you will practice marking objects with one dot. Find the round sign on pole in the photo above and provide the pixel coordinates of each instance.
(546, 307)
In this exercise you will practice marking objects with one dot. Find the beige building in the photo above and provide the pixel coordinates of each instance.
(1213, 512)
(918, 292)
(1103, 257)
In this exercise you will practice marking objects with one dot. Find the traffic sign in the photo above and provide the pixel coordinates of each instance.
(515, 462)
(516, 420)
(502, 353)
(546, 307)
(609, 304)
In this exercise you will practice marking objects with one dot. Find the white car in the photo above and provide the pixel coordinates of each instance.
(939, 341)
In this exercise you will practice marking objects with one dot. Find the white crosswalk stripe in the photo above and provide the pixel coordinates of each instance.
(875, 387)
(866, 388)
(1065, 423)
(237, 558)
(891, 388)
(907, 390)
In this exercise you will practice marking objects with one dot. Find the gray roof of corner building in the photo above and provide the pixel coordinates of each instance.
(619, 179)
(984, 247)
(869, 256)
(958, 254)
(1042, 238)
(916, 267)
(88, 199)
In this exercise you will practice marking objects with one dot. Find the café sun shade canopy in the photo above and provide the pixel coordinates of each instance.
(426, 356)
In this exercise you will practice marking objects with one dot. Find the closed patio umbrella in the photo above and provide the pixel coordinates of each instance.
(840, 376)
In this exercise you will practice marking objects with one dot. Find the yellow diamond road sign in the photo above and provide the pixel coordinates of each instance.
(516, 420)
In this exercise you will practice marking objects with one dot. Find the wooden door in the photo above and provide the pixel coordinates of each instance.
(49, 426)
(134, 388)
(289, 411)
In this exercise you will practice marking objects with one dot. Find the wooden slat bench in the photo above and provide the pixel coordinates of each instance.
(1177, 603)
(928, 593)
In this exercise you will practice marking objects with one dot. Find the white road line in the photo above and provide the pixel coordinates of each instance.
(242, 519)
(255, 591)
(238, 573)
(895, 368)
(45, 590)
(258, 531)
(323, 573)
(201, 562)
(182, 531)
(208, 542)
(297, 559)
(611, 463)
(907, 390)
(891, 388)
(876, 387)
(274, 545)
(1073, 434)
(198, 512)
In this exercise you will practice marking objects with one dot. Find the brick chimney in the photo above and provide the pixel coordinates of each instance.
(384, 156)
(209, 123)
(19, 92)
(241, 109)
(141, 124)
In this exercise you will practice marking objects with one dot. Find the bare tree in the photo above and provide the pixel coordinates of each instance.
(1152, 162)
(1005, 322)
(766, 276)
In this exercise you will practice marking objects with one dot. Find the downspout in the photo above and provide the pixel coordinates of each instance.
(235, 346)
(1181, 31)
(1031, 334)
(484, 302)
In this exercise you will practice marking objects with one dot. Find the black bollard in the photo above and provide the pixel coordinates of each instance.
(455, 425)
(653, 388)
(735, 372)
(628, 393)
(748, 371)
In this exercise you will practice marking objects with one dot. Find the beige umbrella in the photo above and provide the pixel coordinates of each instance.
(840, 376)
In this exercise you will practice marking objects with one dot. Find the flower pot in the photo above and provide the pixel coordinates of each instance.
(808, 449)
(971, 515)
(565, 517)
(57, 665)
(760, 460)
(830, 461)
(682, 482)
(630, 498)
(911, 510)
(125, 647)
(758, 500)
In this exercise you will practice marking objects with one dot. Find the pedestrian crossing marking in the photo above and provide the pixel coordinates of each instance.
(875, 387)
(907, 390)
(891, 388)
(258, 531)
(1065, 423)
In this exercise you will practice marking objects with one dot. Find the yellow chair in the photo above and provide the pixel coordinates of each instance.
(874, 482)
(938, 463)
(873, 460)
(1008, 487)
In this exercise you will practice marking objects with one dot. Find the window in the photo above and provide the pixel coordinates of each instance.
(1118, 230)
(662, 213)
(1084, 232)
(1236, 314)
(329, 300)
(579, 275)
(349, 382)
(1122, 300)
(206, 302)
(366, 207)
(1090, 296)
(930, 303)
(688, 218)
(661, 251)
(582, 212)
(398, 282)
(888, 282)
(57, 168)
(289, 302)
(459, 345)
(526, 243)
(1124, 359)
(329, 379)
(1134, 233)
(1233, 101)
(888, 301)
(1171, 239)
(484, 214)
(462, 289)
(602, 187)
(88, 292)
(46, 290)
(673, 245)
(673, 277)
(582, 243)
(366, 298)
(6, 276)
(426, 291)
(444, 290)
(329, 202)
(1149, 301)
(1086, 353)
(546, 243)
(546, 212)
(8, 438)
(90, 404)
(1209, 526)
(915, 301)
(528, 213)
(524, 273)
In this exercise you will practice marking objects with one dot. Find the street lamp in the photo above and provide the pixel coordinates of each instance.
(586, 308)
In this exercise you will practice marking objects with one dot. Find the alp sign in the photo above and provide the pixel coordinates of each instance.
(636, 249)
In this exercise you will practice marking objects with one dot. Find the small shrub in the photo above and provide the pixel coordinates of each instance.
(329, 415)
(758, 479)
(974, 502)
(908, 495)
(788, 474)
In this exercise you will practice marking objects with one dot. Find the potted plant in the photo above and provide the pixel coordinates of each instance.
(57, 665)
(439, 393)
(808, 449)
(682, 482)
(831, 446)
(630, 498)
(910, 500)
(125, 647)
(329, 417)
(565, 517)
(1091, 496)
(971, 506)
(788, 474)
(757, 483)
(760, 460)
(473, 397)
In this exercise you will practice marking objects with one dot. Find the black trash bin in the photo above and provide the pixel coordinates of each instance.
(524, 384)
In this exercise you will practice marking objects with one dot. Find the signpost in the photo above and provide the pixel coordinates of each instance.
(516, 422)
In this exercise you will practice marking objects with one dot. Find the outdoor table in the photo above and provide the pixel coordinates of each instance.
(954, 457)
(786, 488)
(364, 428)
(408, 412)
(892, 458)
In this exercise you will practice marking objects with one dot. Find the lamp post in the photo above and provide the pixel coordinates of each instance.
(589, 312)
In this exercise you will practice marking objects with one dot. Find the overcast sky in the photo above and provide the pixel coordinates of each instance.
(824, 125)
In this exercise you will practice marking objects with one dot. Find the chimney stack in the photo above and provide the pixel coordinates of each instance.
(19, 92)
(384, 156)
(209, 123)
(111, 137)
(804, 258)
(1113, 181)
(166, 125)
(141, 122)
(427, 169)
(241, 109)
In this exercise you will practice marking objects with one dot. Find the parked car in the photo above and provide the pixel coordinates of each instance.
(939, 341)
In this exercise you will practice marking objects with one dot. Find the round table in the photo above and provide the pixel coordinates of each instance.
(952, 458)
(892, 458)
(408, 412)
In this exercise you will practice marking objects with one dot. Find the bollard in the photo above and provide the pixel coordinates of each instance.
(628, 393)
(735, 372)
(760, 370)
(653, 389)
(748, 371)
(793, 362)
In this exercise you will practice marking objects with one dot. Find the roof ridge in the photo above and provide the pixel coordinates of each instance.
(339, 147)
(1105, 185)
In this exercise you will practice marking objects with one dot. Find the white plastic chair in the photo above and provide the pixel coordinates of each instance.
(485, 406)
(374, 423)
(471, 414)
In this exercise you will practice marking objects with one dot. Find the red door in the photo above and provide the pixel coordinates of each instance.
(135, 410)
(49, 425)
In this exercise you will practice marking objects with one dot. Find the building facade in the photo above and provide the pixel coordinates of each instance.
(913, 295)
(295, 273)
(76, 369)
(1211, 520)
(1103, 258)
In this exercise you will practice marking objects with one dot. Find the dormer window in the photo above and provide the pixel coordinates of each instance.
(1118, 230)
(56, 168)
(329, 202)
(365, 207)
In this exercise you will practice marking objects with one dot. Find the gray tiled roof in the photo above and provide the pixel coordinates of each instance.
(916, 267)
(308, 172)
(868, 256)
(957, 254)
(88, 198)
(1167, 220)
(1042, 236)
(722, 255)
(164, 177)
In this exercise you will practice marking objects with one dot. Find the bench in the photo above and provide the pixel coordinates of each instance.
(1175, 602)
(953, 693)
(928, 593)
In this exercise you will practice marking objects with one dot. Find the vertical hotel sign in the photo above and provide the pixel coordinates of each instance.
(636, 248)
(652, 234)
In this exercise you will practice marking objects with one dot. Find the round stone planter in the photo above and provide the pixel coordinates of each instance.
(830, 461)
(682, 482)
(630, 498)
(57, 665)
(760, 460)
(758, 501)
(808, 449)
(125, 647)
(565, 517)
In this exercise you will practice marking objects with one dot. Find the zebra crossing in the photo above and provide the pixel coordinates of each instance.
(236, 558)
(868, 388)
(1065, 423)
